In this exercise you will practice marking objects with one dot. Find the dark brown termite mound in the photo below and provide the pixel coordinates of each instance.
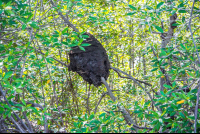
(91, 64)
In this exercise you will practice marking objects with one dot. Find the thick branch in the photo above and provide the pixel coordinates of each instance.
(170, 32)
(126, 115)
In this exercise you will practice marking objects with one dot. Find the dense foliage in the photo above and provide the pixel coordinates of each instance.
(157, 42)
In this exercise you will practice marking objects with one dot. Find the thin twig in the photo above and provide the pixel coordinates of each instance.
(32, 104)
(117, 70)
(64, 18)
(88, 98)
(196, 111)
(103, 94)
(142, 127)
(130, 77)
(197, 101)
(52, 58)
(27, 121)
(192, 33)
(41, 80)
(54, 91)
(18, 126)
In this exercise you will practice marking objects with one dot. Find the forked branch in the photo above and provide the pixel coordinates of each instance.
(126, 115)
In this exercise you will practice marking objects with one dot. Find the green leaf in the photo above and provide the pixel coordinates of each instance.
(85, 44)
(55, 35)
(175, 24)
(19, 91)
(79, 15)
(23, 101)
(9, 114)
(174, 84)
(158, 28)
(7, 75)
(65, 43)
(1, 110)
(86, 116)
(46, 43)
(149, 7)
(172, 114)
(47, 114)
(173, 12)
(183, 46)
(23, 26)
(154, 69)
(85, 36)
(8, 4)
(102, 115)
(29, 18)
(162, 93)
(132, 7)
(182, 11)
(163, 53)
(1, 10)
(159, 5)
(82, 48)
(91, 117)
(137, 111)
(130, 13)
(181, 114)
(34, 25)
(183, 19)
(9, 98)
(64, 30)
(83, 129)
(167, 86)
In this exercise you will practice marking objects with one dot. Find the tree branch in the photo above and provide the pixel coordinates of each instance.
(64, 18)
(52, 58)
(103, 94)
(126, 115)
(198, 93)
(115, 69)
(130, 77)
(13, 120)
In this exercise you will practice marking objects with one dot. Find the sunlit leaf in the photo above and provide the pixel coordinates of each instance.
(48, 81)
(19, 91)
(82, 48)
(180, 102)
